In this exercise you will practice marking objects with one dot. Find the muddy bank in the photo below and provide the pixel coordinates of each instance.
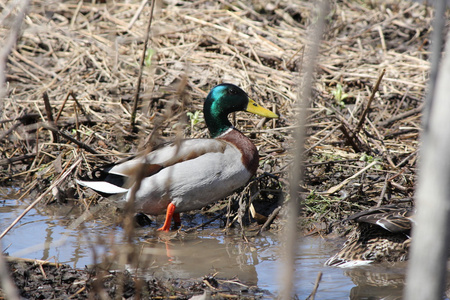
(43, 280)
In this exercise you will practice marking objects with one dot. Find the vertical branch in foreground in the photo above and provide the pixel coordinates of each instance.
(141, 67)
(428, 264)
(17, 13)
(286, 276)
(436, 48)
(10, 41)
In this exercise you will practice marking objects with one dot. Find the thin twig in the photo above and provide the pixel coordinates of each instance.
(9, 161)
(49, 113)
(62, 106)
(383, 191)
(204, 223)
(339, 186)
(322, 139)
(269, 219)
(11, 129)
(369, 103)
(316, 286)
(73, 140)
(141, 68)
(350, 139)
(49, 189)
(137, 14)
(402, 116)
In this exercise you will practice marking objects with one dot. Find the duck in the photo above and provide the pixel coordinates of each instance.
(192, 173)
(382, 234)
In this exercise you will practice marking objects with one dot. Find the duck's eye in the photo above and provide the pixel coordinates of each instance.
(232, 91)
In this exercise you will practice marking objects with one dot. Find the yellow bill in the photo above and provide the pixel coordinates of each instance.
(257, 109)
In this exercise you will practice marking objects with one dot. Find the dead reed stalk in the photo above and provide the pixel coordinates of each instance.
(290, 232)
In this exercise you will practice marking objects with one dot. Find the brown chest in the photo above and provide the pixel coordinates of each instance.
(250, 156)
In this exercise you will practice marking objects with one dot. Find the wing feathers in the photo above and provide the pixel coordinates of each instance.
(102, 187)
(118, 178)
(169, 155)
(390, 218)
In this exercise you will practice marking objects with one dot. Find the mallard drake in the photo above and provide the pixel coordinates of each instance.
(191, 173)
(381, 234)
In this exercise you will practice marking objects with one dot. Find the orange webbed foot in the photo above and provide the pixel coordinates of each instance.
(169, 214)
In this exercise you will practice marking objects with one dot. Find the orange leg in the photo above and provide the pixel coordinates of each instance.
(169, 214)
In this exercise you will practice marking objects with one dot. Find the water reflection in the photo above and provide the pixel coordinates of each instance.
(66, 235)
(378, 281)
(197, 256)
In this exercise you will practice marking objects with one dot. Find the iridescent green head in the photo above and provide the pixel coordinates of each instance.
(225, 99)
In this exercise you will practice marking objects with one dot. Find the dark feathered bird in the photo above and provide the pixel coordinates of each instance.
(381, 234)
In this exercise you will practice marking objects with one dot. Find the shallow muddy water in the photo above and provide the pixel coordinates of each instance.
(52, 234)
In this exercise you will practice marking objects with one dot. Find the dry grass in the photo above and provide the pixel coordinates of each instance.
(86, 58)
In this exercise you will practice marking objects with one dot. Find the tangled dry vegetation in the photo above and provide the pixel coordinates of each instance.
(84, 57)
(72, 77)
